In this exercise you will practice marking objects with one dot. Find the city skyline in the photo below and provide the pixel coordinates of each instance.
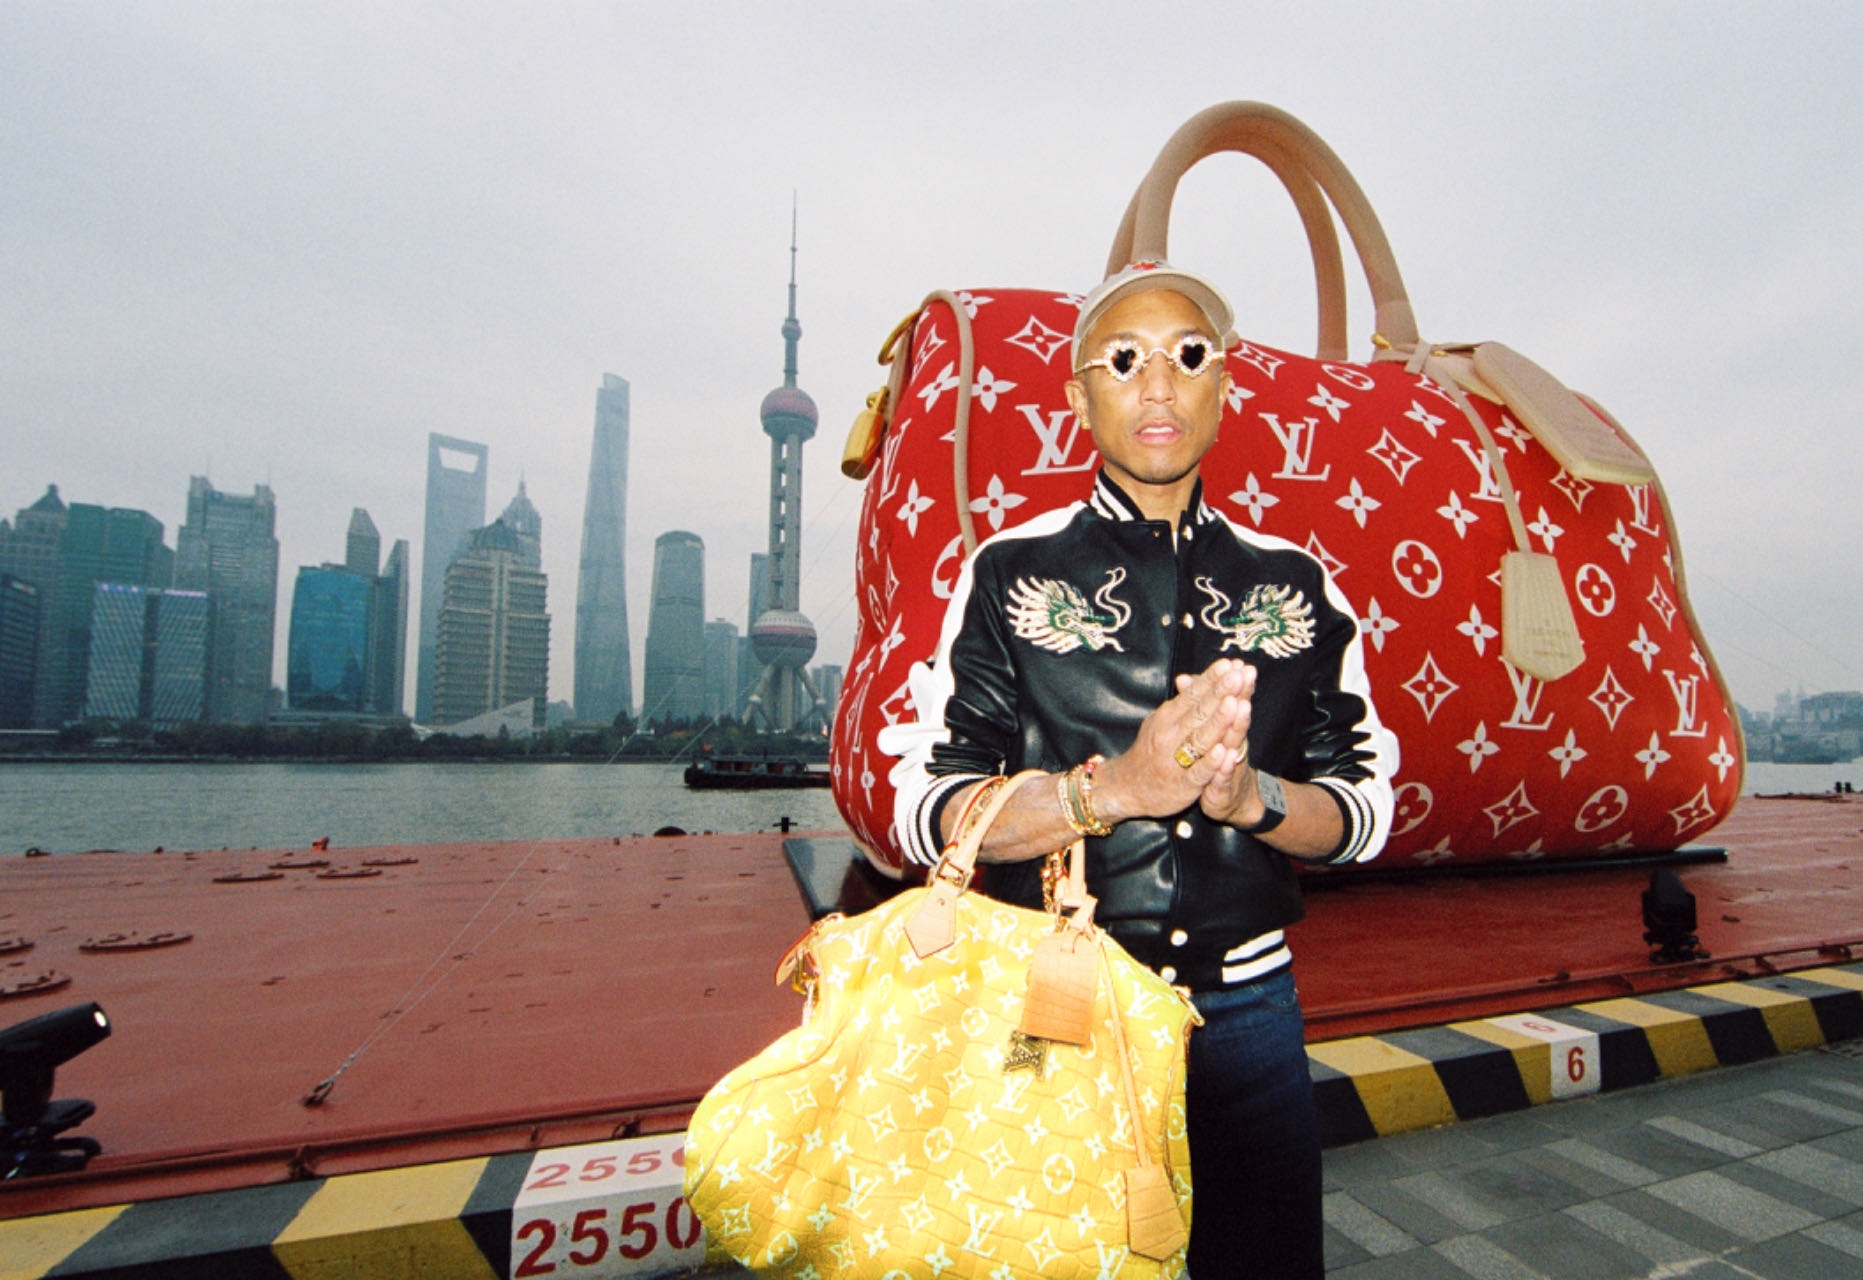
(279, 247)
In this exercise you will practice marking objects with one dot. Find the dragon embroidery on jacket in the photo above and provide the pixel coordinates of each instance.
(1277, 621)
(1056, 616)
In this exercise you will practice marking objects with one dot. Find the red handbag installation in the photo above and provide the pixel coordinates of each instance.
(1507, 546)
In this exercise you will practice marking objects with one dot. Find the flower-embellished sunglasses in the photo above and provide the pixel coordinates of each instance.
(1190, 355)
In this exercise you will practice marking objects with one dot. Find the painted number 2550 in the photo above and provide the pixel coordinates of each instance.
(637, 1233)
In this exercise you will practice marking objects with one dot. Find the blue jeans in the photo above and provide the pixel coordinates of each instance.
(1254, 1136)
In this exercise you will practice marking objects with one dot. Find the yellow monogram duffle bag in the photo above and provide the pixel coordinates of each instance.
(930, 1118)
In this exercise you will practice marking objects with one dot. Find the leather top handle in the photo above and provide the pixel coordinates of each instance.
(1286, 146)
(1316, 216)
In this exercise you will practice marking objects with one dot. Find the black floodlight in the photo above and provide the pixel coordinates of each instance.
(30, 1122)
(1669, 920)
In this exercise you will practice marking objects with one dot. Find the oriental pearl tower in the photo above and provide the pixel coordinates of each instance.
(783, 639)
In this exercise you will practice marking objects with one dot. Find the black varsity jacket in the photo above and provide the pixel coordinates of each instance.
(1065, 632)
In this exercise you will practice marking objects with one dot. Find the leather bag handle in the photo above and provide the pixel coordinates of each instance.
(1316, 217)
(932, 926)
(1289, 148)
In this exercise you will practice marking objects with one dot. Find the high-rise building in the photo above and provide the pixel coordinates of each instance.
(228, 550)
(98, 545)
(673, 684)
(388, 635)
(492, 643)
(363, 546)
(782, 637)
(148, 654)
(604, 663)
(455, 507)
(178, 684)
(19, 650)
(346, 645)
(29, 551)
(64, 552)
(721, 683)
(328, 654)
(828, 676)
(749, 670)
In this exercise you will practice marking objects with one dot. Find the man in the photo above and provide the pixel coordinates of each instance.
(1199, 692)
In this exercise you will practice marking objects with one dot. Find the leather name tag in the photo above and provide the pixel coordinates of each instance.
(1538, 632)
(1064, 977)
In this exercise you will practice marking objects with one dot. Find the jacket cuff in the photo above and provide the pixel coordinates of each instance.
(926, 845)
(1357, 822)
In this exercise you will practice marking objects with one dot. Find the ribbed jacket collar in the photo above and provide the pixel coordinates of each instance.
(1113, 503)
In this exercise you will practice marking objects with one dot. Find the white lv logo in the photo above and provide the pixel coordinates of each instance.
(1296, 437)
(1055, 450)
(1687, 691)
(1527, 691)
(1640, 500)
(1488, 490)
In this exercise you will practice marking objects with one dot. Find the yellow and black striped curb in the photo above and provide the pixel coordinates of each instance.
(462, 1218)
(1375, 1086)
(451, 1219)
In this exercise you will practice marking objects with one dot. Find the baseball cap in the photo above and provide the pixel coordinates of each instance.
(1154, 273)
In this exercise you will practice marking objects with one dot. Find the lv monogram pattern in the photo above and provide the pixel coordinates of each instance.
(908, 1129)
(1374, 470)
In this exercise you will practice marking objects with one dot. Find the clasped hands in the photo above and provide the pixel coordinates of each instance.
(1205, 724)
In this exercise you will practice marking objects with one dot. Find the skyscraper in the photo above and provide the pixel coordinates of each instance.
(604, 663)
(673, 684)
(97, 545)
(721, 655)
(492, 642)
(327, 657)
(455, 507)
(346, 645)
(29, 550)
(227, 549)
(388, 635)
(148, 654)
(363, 546)
(19, 650)
(784, 639)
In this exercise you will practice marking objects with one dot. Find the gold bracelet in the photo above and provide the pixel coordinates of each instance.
(1075, 789)
(1095, 827)
(1069, 810)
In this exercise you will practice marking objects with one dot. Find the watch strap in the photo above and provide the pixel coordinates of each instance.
(1274, 804)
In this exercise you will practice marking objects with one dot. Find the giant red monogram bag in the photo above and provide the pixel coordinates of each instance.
(1507, 546)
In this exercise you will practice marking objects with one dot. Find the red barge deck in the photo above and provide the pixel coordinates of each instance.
(475, 999)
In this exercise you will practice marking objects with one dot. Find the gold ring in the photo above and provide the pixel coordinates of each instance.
(1186, 755)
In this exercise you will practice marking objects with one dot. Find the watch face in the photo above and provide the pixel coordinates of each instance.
(1273, 797)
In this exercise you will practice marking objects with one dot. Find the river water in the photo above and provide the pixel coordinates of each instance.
(64, 808)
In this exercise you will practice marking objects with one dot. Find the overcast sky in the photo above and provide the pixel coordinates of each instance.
(279, 244)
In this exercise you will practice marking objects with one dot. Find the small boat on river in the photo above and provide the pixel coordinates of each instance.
(752, 773)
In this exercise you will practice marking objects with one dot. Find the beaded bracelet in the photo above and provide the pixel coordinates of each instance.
(1095, 827)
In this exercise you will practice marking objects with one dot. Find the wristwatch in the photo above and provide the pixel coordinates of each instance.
(1274, 804)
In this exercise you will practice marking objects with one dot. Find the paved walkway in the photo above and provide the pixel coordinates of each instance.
(1744, 1171)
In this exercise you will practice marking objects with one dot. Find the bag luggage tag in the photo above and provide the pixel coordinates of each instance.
(1539, 634)
(1064, 975)
(1064, 980)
